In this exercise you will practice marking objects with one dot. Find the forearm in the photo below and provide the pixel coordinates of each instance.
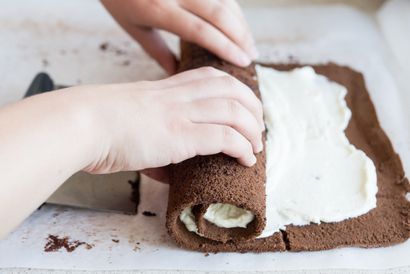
(47, 138)
(43, 141)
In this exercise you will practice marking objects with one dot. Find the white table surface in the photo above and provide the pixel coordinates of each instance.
(63, 38)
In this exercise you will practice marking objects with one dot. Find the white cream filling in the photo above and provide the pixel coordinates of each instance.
(228, 216)
(221, 215)
(313, 173)
(188, 218)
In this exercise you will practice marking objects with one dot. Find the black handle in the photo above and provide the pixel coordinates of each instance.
(40, 84)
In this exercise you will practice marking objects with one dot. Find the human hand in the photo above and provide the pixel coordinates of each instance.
(110, 128)
(152, 124)
(217, 25)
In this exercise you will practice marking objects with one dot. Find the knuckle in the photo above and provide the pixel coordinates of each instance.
(208, 70)
(225, 2)
(233, 108)
(196, 29)
(244, 37)
(228, 47)
(156, 11)
(227, 135)
(175, 125)
(230, 81)
(249, 148)
(157, 4)
(218, 14)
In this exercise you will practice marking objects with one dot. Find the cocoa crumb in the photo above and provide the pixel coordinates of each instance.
(136, 247)
(45, 62)
(104, 46)
(149, 214)
(120, 52)
(55, 243)
(135, 194)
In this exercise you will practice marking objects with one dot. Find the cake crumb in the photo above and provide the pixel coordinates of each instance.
(135, 191)
(136, 247)
(45, 62)
(149, 214)
(55, 243)
(88, 246)
(104, 46)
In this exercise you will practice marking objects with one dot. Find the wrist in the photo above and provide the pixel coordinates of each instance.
(83, 124)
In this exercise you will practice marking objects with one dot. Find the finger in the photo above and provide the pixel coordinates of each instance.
(152, 42)
(209, 139)
(194, 29)
(236, 9)
(222, 87)
(159, 174)
(221, 16)
(183, 78)
(233, 6)
(191, 75)
(229, 113)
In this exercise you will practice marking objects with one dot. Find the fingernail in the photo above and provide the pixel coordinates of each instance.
(260, 146)
(243, 59)
(252, 160)
(263, 126)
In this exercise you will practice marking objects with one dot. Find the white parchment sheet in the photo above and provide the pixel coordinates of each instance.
(63, 38)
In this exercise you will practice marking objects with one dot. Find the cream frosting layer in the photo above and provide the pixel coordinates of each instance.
(313, 172)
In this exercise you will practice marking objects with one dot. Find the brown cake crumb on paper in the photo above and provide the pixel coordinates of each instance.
(204, 180)
(55, 243)
(149, 214)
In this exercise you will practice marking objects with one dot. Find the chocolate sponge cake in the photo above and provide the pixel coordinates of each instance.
(201, 181)
(205, 180)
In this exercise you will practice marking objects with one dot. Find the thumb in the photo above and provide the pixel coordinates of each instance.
(159, 174)
(152, 42)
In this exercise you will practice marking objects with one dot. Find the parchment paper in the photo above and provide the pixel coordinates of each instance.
(64, 38)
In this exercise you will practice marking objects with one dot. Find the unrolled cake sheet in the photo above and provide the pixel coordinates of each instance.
(211, 179)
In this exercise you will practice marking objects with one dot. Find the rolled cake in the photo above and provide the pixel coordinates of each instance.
(215, 180)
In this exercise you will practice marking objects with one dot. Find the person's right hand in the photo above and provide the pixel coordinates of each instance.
(216, 25)
(152, 124)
